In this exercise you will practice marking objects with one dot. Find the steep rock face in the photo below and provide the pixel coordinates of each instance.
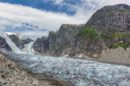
(112, 24)
(41, 45)
(111, 18)
(58, 43)
(3, 44)
(19, 42)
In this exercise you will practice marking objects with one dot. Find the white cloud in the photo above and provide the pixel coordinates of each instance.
(88, 7)
(58, 1)
(14, 14)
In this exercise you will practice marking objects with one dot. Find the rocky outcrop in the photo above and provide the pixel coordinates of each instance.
(3, 44)
(116, 56)
(111, 18)
(112, 26)
(58, 43)
(19, 42)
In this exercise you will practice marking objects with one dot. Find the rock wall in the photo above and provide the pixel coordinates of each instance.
(117, 56)
(109, 25)
(58, 43)
(19, 42)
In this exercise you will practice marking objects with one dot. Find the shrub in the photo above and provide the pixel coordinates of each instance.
(123, 45)
(89, 32)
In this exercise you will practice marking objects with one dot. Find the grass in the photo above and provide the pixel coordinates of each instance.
(123, 45)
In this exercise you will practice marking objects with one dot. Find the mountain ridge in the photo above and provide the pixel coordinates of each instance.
(108, 28)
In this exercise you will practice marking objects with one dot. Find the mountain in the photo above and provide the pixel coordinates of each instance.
(20, 43)
(111, 18)
(3, 44)
(22, 27)
(108, 28)
(59, 42)
(27, 21)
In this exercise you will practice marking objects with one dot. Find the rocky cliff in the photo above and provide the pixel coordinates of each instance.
(19, 42)
(3, 44)
(60, 42)
(109, 28)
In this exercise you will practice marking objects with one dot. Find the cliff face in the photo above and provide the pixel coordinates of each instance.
(58, 43)
(19, 42)
(109, 27)
(111, 18)
(3, 44)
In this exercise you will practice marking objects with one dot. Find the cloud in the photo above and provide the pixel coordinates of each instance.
(87, 8)
(15, 14)
(58, 1)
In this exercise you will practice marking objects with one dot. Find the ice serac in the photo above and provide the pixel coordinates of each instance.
(75, 71)
(28, 48)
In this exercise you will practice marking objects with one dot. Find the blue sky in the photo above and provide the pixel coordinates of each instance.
(49, 5)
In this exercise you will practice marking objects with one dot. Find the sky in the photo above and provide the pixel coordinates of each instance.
(50, 14)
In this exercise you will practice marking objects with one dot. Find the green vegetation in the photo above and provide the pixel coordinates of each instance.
(119, 35)
(116, 38)
(114, 35)
(89, 32)
(123, 45)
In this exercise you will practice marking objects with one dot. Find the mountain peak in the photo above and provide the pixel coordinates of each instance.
(113, 17)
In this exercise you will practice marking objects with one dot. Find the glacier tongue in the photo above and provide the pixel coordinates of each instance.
(28, 47)
(12, 45)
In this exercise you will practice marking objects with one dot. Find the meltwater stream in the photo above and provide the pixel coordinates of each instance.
(75, 71)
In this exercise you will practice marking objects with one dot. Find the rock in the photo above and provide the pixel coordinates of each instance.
(109, 27)
(3, 44)
(114, 17)
(57, 43)
(113, 22)
(19, 42)
(116, 56)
